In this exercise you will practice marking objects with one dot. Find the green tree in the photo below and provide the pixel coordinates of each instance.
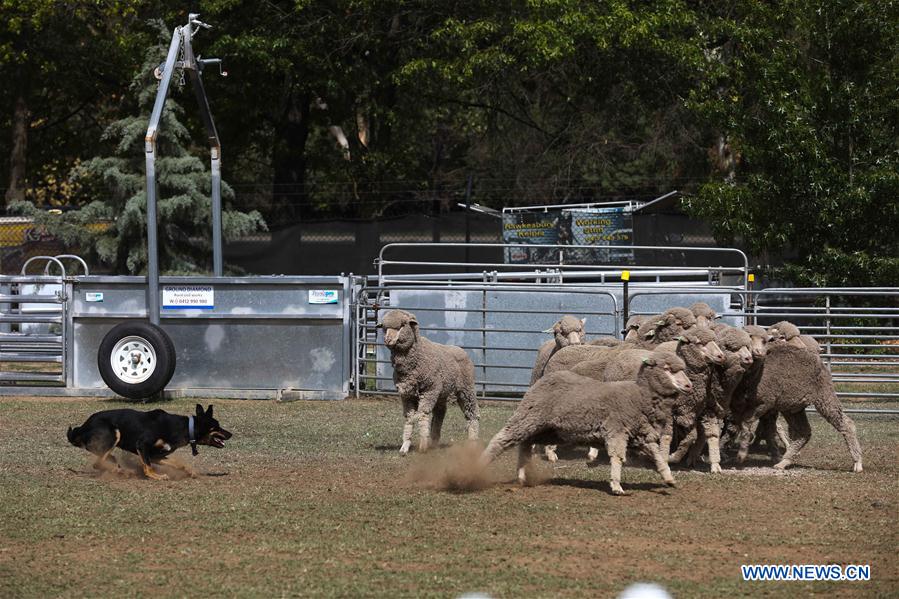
(804, 96)
(184, 215)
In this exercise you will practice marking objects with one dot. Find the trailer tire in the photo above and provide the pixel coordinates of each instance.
(136, 359)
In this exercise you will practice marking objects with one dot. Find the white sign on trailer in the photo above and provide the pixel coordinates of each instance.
(178, 297)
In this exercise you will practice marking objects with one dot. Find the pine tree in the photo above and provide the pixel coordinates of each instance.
(112, 227)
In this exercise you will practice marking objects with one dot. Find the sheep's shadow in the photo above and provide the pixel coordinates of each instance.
(603, 485)
(413, 450)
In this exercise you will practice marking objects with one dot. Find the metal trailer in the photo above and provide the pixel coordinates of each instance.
(229, 336)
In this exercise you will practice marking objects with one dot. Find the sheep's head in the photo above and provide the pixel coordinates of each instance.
(737, 342)
(704, 314)
(670, 324)
(568, 331)
(664, 371)
(400, 330)
(632, 327)
(785, 332)
(699, 347)
(759, 337)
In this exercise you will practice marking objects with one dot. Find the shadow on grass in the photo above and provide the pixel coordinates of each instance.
(596, 485)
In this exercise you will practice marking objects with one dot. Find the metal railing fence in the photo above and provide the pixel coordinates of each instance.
(858, 329)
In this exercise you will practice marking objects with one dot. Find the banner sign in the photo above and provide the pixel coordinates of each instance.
(532, 228)
(588, 226)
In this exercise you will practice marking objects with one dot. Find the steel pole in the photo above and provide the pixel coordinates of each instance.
(150, 153)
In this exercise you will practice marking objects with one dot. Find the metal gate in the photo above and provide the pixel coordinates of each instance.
(33, 335)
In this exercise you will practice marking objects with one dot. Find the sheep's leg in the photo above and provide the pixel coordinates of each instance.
(800, 433)
(524, 458)
(437, 423)
(617, 448)
(409, 412)
(468, 403)
(711, 429)
(830, 410)
(685, 444)
(747, 431)
(665, 438)
(694, 454)
(509, 435)
(655, 452)
(427, 403)
(782, 436)
(772, 430)
(550, 452)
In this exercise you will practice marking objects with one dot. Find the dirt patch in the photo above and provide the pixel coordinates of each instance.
(455, 469)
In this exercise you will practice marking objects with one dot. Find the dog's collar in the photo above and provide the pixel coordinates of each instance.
(191, 435)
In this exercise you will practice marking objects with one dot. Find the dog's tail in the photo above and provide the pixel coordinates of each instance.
(74, 436)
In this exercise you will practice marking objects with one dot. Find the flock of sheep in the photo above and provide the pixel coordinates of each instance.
(679, 384)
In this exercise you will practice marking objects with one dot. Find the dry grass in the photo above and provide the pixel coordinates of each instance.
(312, 499)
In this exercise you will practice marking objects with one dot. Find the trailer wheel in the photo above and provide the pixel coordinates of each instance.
(136, 359)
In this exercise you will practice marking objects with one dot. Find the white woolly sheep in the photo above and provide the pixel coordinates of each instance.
(720, 385)
(705, 315)
(565, 407)
(792, 379)
(671, 324)
(426, 375)
(568, 331)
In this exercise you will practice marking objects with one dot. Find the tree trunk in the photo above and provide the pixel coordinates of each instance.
(289, 159)
(16, 189)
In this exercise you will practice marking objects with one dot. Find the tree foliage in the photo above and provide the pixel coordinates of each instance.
(777, 119)
(183, 205)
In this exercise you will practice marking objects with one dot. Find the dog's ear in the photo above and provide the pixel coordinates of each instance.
(199, 410)
(209, 411)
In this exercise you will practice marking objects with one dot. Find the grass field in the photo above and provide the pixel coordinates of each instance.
(312, 499)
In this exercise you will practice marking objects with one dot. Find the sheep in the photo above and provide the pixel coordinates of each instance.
(705, 315)
(426, 375)
(568, 331)
(789, 332)
(565, 407)
(720, 386)
(672, 323)
(567, 357)
(793, 378)
(770, 428)
(631, 329)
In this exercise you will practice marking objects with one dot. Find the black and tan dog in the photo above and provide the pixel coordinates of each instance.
(151, 435)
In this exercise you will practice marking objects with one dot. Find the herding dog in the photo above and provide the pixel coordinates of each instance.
(151, 435)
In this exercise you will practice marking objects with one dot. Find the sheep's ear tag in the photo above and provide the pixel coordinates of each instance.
(650, 334)
(380, 325)
(681, 338)
(549, 330)
(660, 323)
(646, 360)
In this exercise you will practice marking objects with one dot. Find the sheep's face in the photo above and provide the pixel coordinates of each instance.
(738, 342)
(400, 330)
(759, 338)
(704, 314)
(630, 329)
(569, 331)
(666, 373)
